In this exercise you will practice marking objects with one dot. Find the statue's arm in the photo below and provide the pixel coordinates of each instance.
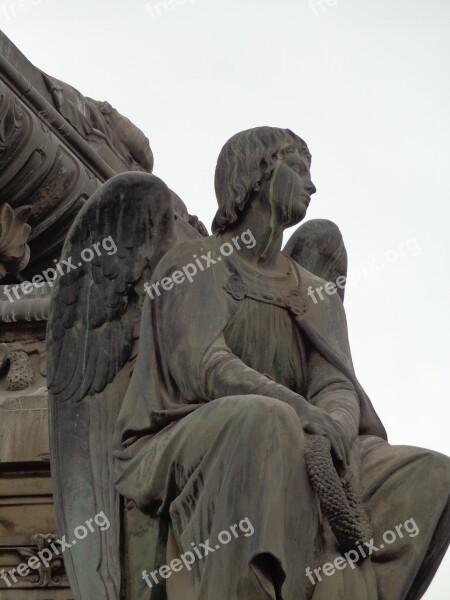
(224, 374)
(190, 320)
(332, 391)
(193, 354)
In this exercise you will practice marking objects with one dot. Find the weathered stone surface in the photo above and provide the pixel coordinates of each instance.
(56, 148)
(235, 402)
(27, 516)
(230, 397)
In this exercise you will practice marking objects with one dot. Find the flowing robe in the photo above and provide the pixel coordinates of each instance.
(208, 435)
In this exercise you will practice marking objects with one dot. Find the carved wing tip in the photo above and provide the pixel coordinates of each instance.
(318, 246)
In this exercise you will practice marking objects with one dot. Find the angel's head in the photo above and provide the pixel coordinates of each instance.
(275, 159)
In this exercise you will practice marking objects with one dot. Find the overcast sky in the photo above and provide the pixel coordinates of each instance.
(365, 83)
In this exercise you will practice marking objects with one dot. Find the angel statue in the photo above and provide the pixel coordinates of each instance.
(203, 397)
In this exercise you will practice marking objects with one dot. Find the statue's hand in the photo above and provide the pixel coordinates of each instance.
(318, 422)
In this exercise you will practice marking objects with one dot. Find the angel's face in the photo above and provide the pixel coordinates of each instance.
(290, 188)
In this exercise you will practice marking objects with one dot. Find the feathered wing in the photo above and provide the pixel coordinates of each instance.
(317, 245)
(114, 244)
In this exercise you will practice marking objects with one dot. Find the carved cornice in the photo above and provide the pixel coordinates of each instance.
(32, 308)
(38, 105)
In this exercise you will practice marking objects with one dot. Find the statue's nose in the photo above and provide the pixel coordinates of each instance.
(311, 188)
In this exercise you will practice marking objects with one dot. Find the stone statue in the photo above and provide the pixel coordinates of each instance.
(56, 148)
(98, 122)
(202, 395)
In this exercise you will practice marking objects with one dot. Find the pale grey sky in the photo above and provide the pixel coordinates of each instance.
(364, 82)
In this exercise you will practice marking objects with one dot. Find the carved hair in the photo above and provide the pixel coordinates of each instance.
(247, 159)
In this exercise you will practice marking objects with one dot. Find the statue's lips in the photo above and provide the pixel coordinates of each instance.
(307, 199)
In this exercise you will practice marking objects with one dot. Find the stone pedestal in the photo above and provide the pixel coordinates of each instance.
(27, 516)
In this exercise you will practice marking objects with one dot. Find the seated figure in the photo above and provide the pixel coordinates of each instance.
(239, 372)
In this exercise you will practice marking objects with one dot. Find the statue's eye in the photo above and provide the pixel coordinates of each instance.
(298, 168)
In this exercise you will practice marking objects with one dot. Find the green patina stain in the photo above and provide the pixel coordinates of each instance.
(272, 210)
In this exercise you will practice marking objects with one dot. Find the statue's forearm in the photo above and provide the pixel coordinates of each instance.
(340, 401)
(330, 390)
(226, 375)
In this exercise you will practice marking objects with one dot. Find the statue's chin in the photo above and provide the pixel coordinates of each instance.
(296, 217)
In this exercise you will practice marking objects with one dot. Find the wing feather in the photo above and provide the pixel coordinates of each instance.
(135, 209)
(317, 245)
(89, 344)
